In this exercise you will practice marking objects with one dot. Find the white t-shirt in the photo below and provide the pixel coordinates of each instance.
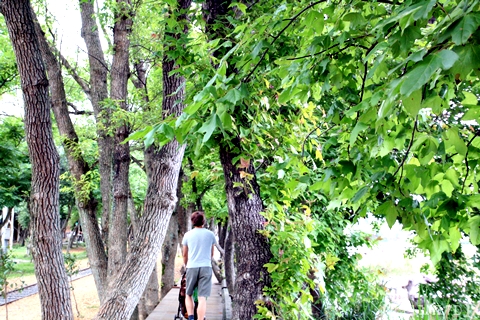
(199, 242)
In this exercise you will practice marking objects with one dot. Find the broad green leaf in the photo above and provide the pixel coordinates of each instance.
(233, 96)
(422, 72)
(473, 113)
(358, 128)
(137, 135)
(470, 98)
(316, 186)
(389, 210)
(464, 28)
(469, 62)
(455, 237)
(413, 103)
(209, 126)
(360, 193)
(150, 137)
(225, 120)
(474, 234)
(452, 139)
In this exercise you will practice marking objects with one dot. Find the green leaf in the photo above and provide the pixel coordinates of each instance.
(389, 210)
(464, 28)
(150, 137)
(209, 127)
(413, 103)
(316, 186)
(474, 234)
(473, 113)
(470, 98)
(137, 135)
(422, 72)
(358, 128)
(470, 61)
(455, 237)
(233, 96)
(271, 267)
(360, 193)
(452, 139)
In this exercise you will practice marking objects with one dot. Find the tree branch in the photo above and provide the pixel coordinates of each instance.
(308, 135)
(71, 70)
(247, 78)
(138, 162)
(408, 150)
(466, 158)
(76, 111)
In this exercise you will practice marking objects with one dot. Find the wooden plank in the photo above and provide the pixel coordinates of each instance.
(167, 309)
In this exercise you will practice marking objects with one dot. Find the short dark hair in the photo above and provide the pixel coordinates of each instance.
(198, 218)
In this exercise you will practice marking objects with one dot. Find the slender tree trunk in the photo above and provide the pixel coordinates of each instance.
(87, 205)
(117, 241)
(52, 279)
(245, 207)
(149, 299)
(169, 252)
(229, 260)
(163, 167)
(98, 93)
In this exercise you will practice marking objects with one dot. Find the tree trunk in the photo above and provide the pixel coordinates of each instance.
(252, 249)
(169, 252)
(87, 205)
(52, 279)
(229, 259)
(149, 299)
(98, 92)
(118, 230)
(163, 167)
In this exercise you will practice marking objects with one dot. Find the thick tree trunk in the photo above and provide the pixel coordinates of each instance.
(98, 93)
(52, 280)
(163, 167)
(87, 205)
(243, 199)
(252, 249)
(150, 297)
(117, 241)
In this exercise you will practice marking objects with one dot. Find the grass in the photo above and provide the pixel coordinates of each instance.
(24, 264)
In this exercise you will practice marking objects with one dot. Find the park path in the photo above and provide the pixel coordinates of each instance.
(33, 289)
(167, 309)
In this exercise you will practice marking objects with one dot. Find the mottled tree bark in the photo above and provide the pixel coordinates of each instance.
(169, 252)
(251, 248)
(163, 167)
(229, 260)
(52, 280)
(99, 93)
(245, 205)
(117, 240)
(87, 205)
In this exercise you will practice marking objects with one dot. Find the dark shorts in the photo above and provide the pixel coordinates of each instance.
(200, 278)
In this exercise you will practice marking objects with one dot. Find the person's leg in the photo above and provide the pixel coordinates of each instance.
(204, 290)
(192, 279)
(189, 305)
(202, 307)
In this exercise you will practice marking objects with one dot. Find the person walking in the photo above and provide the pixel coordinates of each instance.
(6, 233)
(198, 245)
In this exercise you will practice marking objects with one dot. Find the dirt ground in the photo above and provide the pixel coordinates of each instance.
(84, 293)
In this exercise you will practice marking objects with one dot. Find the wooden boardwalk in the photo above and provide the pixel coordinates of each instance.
(167, 309)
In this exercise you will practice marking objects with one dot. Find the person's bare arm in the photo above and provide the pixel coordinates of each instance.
(185, 255)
